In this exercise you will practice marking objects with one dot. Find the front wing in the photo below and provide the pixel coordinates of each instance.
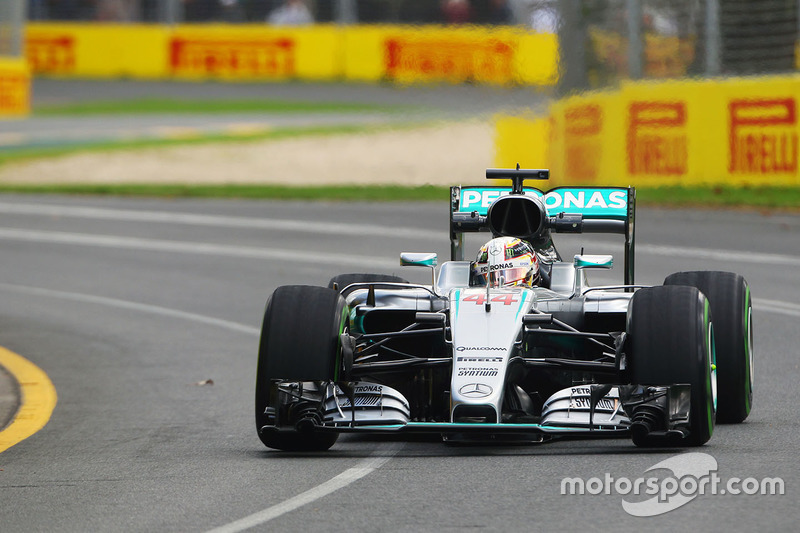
(568, 413)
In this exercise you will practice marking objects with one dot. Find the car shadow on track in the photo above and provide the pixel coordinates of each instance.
(416, 446)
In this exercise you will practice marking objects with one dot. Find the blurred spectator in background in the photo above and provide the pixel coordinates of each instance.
(231, 10)
(498, 12)
(117, 10)
(291, 13)
(416, 12)
(37, 10)
(456, 11)
(200, 10)
(70, 9)
(544, 16)
(257, 10)
(656, 21)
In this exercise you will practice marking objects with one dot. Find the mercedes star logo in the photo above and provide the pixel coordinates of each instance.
(475, 390)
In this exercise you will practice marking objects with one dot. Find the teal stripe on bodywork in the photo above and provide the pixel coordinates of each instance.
(583, 262)
(521, 305)
(457, 298)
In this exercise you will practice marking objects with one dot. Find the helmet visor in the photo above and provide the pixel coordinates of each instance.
(508, 276)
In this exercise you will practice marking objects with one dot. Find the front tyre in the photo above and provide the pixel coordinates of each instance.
(300, 343)
(672, 342)
(732, 309)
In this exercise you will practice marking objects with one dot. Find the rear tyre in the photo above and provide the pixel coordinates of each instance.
(672, 342)
(732, 309)
(300, 342)
(343, 280)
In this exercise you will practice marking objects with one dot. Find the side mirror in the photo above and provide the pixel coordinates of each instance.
(593, 261)
(429, 260)
(418, 259)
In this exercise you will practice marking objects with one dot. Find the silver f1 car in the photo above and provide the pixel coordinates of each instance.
(475, 359)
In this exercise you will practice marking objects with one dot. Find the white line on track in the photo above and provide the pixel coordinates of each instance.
(719, 255)
(384, 453)
(185, 247)
(704, 253)
(760, 304)
(776, 306)
(378, 458)
(326, 228)
(191, 219)
(134, 306)
(158, 245)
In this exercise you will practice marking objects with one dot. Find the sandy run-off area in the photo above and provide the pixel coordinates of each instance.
(443, 154)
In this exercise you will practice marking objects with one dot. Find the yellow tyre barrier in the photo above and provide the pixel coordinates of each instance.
(496, 56)
(15, 88)
(738, 131)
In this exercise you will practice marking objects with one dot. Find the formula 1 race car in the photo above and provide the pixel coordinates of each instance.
(515, 346)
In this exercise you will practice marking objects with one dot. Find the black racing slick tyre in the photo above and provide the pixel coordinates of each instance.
(732, 309)
(341, 281)
(300, 342)
(672, 342)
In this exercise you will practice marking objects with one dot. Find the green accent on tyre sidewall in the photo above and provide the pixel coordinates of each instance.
(748, 347)
(711, 384)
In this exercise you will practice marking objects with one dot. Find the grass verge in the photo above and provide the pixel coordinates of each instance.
(378, 193)
(783, 198)
(40, 152)
(161, 106)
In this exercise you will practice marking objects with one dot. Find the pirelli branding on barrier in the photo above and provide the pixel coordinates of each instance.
(496, 55)
(246, 58)
(14, 87)
(13, 93)
(583, 141)
(733, 132)
(657, 138)
(418, 59)
(51, 54)
(763, 136)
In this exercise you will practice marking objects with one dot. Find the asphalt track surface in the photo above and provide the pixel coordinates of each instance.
(128, 304)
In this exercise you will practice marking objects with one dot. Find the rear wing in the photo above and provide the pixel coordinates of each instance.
(569, 210)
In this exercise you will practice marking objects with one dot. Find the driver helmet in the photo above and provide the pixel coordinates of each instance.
(506, 262)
